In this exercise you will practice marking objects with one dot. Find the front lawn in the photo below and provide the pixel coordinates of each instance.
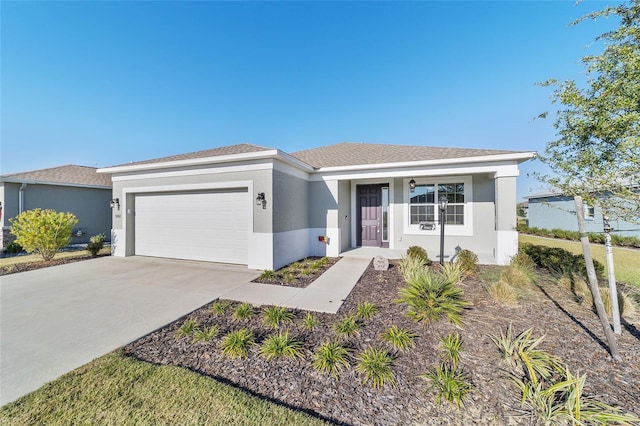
(626, 261)
(120, 390)
(15, 264)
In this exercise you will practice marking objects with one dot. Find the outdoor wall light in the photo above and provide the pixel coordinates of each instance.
(261, 200)
(115, 202)
(442, 203)
(412, 185)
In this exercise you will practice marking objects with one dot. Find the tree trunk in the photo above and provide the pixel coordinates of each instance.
(593, 282)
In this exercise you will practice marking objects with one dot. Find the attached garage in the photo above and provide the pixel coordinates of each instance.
(194, 225)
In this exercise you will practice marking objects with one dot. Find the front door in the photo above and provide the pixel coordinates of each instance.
(369, 215)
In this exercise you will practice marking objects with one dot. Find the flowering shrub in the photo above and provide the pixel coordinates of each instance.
(43, 231)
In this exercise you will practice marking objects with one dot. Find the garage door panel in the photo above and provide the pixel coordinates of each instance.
(211, 226)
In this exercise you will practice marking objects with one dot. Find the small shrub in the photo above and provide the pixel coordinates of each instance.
(268, 274)
(468, 262)
(187, 327)
(206, 334)
(12, 247)
(43, 231)
(560, 262)
(502, 292)
(450, 384)
(418, 253)
(375, 365)
(331, 357)
(523, 262)
(346, 327)
(452, 272)
(281, 345)
(451, 346)
(243, 311)
(309, 322)
(520, 352)
(236, 344)
(430, 296)
(515, 277)
(96, 243)
(400, 339)
(366, 310)
(412, 268)
(220, 307)
(274, 316)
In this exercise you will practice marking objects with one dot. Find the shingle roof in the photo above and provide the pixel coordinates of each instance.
(242, 148)
(354, 154)
(69, 174)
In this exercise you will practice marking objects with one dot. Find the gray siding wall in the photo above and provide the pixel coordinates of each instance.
(323, 204)
(560, 213)
(344, 214)
(89, 205)
(290, 198)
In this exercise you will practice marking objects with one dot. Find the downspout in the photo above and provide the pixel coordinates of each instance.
(21, 198)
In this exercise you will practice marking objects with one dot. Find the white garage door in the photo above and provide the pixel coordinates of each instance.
(210, 226)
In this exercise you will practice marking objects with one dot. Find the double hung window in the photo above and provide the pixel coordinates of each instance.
(423, 203)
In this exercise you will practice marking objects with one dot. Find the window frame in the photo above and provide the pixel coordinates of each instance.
(450, 229)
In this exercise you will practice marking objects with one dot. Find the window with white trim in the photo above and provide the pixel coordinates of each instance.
(589, 212)
(423, 203)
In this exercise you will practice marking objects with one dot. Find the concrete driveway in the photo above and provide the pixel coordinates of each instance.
(56, 319)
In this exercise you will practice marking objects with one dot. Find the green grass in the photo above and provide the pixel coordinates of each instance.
(626, 262)
(118, 390)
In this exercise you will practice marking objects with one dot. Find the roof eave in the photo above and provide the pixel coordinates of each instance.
(519, 157)
(46, 182)
(218, 159)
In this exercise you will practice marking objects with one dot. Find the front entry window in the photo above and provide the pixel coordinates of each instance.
(385, 213)
(423, 203)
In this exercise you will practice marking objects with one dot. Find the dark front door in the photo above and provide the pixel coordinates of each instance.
(369, 215)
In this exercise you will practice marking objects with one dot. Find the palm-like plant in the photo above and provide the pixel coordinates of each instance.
(431, 296)
(451, 346)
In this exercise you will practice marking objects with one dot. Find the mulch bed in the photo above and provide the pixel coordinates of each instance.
(573, 333)
(296, 279)
(30, 266)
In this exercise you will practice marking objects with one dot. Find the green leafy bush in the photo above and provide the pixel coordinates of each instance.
(399, 338)
(309, 321)
(12, 247)
(331, 357)
(43, 231)
(346, 327)
(96, 243)
(374, 364)
(366, 310)
(274, 316)
(468, 262)
(594, 237)
(418, 253)
(236, 344)
(281, 345)
(558, 261)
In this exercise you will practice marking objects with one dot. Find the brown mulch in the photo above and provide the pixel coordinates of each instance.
(30, 266)
(573, 333)
(297, 279)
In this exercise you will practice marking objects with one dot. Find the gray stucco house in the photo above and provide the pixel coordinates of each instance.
(557, 211)
(71, 188)
(264, 208)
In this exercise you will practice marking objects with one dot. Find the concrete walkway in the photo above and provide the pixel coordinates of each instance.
(325, 294)
(56, 319)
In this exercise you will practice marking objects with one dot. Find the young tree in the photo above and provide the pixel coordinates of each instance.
(597, 154)
(43, 231)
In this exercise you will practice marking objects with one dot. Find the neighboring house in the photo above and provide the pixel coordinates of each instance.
(556, 211)
(264, 208)
(76, 189)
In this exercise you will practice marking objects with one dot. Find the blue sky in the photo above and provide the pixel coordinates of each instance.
(105, 83)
